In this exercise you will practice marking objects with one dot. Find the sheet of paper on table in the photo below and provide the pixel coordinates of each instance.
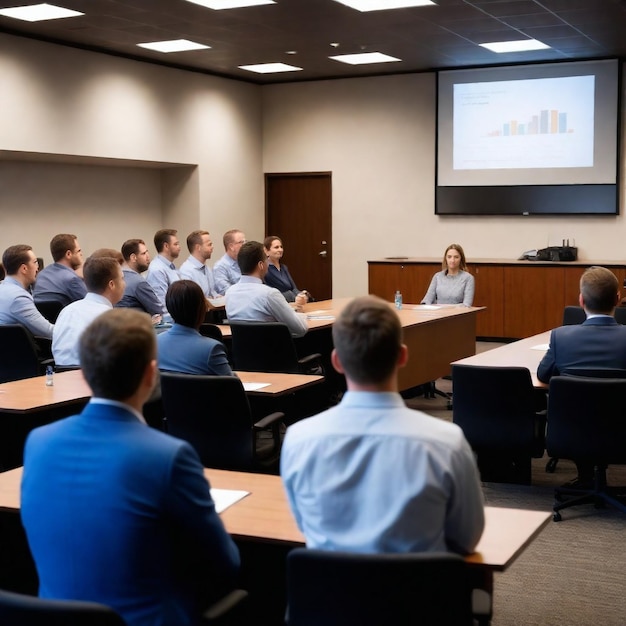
(224, 498)
(541, 346)
(255, 386)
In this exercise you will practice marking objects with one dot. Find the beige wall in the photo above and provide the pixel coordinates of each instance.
(377, 136)
(118, 116)
(133, 125)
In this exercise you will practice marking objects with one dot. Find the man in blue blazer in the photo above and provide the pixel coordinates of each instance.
(115, 511)
(598, 342)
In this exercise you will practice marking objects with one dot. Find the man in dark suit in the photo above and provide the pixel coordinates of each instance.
(598, 342)
(115, 511)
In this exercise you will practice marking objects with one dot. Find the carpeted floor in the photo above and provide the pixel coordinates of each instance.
(574, 573)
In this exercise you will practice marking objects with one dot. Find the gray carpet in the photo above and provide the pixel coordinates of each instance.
(574, 573)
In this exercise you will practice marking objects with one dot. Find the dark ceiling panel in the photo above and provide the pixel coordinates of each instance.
(424, 38)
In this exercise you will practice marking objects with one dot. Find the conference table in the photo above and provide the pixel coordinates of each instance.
(28, 403)
(265, 530)
(436, 335)
(523, 353)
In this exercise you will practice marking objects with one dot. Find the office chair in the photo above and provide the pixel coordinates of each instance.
(17, 609)
(212, 413)
(495, 407)
(50, 310)
(211, 330)
(573, 315)
(620, 314)
(269, 347)
(587, 424)
(588, 372)
(20, 355)
(347, 589)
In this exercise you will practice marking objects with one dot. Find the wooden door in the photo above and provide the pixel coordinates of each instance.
(298, 209)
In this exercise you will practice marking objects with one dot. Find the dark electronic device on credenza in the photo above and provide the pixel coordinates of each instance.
(553, 253)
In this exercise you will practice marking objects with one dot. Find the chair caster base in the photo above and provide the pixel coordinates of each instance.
(556, 517)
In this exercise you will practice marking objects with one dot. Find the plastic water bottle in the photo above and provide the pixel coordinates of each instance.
(397, 300)
(49, 376)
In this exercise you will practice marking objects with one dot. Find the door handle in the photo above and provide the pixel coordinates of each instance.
(323, 254)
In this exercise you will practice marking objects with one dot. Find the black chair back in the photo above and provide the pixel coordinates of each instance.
(211, 413)
(576, 315)
(587, 419)
(263, 347)
(212, 331)
(344, 589)
(50, 310)
(20, 610)
(595, 372)
(19, 353)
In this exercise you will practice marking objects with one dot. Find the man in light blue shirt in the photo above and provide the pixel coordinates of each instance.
(162, 271)
(371, 475)
(105, 285)
(16, 302)
(226, 271)
(195, 268)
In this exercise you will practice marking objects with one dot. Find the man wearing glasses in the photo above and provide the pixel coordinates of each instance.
(226, 271)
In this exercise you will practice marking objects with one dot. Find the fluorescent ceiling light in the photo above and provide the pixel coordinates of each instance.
(521, 45)
(364, 58)
(230, 4)
(380, 5)
(173, 45)
(269, 68)
(39, 12)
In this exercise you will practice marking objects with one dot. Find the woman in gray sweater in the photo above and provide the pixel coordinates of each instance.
(454, 284)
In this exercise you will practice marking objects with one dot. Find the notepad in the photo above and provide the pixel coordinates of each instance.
(255, 386)
(224, 498)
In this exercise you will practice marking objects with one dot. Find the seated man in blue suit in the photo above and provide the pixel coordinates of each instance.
(114, 511)
(599, 341)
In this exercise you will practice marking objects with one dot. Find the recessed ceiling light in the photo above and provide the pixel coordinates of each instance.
(521, 45)
(39, 12)
(173, 45)
(380, 5)
(364, 58)
(218, 5)
(269, 68)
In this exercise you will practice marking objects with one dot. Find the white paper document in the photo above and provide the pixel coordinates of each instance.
(255, 386)
(224, 498)
(541, 346)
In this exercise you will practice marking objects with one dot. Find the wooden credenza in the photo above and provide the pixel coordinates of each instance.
(522, 298)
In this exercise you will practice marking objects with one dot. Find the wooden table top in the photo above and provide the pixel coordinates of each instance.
(326, 311)
(32, 394)
(523, 353)
(264, 515)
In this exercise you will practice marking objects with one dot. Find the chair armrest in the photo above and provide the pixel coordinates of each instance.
(269, 420)
(224, 607)
(311, 364)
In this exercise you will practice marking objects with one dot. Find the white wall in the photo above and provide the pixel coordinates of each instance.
(61, 101)
(377, 136)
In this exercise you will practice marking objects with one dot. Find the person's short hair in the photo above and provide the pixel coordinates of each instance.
(60, 244)
(163, 236)
(195, 238)
(14, 257)
(368, 337)
(108, 252)
(98, 271)
(268, 241)
(229, 237)
(459, 249)
(2, 272)
(115, 350)
(250, 254)
(186, 303)
(599, 288)
(131, 246)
